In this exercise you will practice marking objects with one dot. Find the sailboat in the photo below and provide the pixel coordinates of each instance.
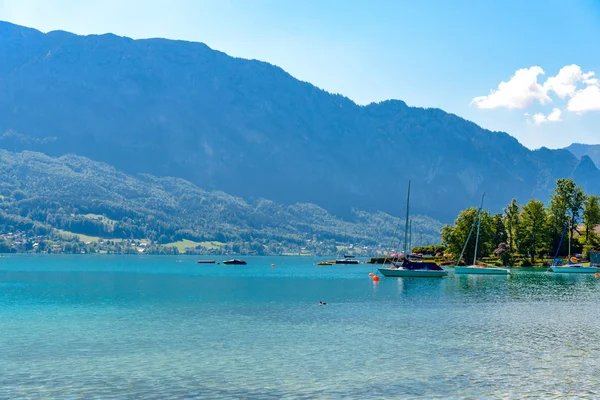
(408, 268)
(572, 265)
(475, 268)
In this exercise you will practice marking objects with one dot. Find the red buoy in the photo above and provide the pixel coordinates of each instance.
(375, 278)
(371, 274)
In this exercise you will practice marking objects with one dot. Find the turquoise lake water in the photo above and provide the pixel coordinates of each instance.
(117, 327)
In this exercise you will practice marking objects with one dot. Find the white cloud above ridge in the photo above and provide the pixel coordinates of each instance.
(541, 118)
(521, 91)
(578, 89)
(587, 99)
(564, 84)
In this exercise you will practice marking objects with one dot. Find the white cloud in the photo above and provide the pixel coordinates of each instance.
(521, 91)
(565, 82)
(587, 99)
(554, 116)
(579, 90)
(540, 118)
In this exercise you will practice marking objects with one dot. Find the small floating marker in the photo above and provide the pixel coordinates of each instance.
(272, 265)
(371, 274)
(375, 278)
(596, 274)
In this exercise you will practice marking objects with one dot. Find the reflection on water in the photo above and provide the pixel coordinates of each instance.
(152, 327)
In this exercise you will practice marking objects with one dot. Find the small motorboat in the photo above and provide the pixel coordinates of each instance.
(205, 262)
(324, 263)
(347, 260)
(234, 262)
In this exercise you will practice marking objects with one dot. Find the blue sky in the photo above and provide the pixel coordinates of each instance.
(446, 54)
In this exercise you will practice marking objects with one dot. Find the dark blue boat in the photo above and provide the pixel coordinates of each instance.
(234, 262)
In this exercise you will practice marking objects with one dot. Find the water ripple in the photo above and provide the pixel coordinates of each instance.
(134, 335)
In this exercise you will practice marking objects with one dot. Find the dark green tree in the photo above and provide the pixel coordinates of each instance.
(591, 218)
(533, 232)
(511, 218)
(454, 236)
(565, 208)
(499, 229)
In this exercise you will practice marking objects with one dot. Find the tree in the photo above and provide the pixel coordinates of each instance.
(565, 207)
(454, 236)
(512, 217)
(499, 229)
(533, 235)
(591, 218)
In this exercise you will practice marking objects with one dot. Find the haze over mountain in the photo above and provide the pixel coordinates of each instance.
(181, 109)
(591, 150)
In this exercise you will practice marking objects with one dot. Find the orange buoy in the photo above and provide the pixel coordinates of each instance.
(272, 265)
(371, 274)
(375, 278)
(596, 274)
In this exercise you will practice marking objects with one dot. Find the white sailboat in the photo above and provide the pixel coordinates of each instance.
(478, 268)
(571, 267)
(408, 268)
(576, 268)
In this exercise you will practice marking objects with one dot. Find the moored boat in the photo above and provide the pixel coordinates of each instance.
(573, 265)
(234, 262)
(412, 269)
(408, 268)
(574, 269)
(478, 269)
(205, 262)
(347, 260)
(481, 270)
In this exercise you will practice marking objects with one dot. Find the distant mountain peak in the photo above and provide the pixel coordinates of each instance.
(580, 150)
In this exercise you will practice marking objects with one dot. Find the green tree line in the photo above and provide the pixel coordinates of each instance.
(530, 231)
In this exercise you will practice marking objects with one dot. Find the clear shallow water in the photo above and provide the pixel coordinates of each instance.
(165, 327)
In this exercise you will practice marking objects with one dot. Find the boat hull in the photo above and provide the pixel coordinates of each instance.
(234, 262)
(412, 273)
(481, 271)
(573, 270)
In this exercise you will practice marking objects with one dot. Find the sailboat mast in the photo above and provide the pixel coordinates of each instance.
(569, 233)
(478, 226)
(406, 225)
(410, 237)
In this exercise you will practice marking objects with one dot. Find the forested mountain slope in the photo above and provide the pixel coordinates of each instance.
(174, 108)
(70, 192)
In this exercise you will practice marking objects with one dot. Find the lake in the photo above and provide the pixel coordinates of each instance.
(157, 327)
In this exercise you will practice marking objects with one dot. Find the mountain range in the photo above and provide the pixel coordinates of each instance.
(179, 109)
(39, 193)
